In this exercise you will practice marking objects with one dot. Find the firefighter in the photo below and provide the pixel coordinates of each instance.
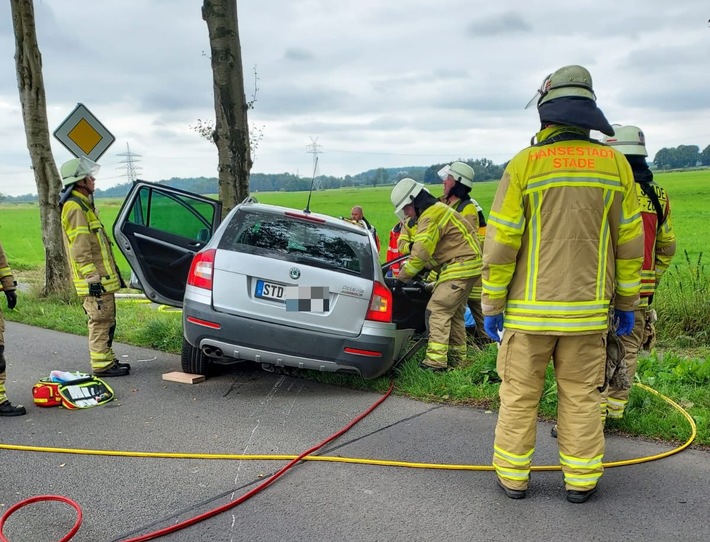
(659, 248)
(458, 181)
(406, 234)
(564, 236)
(393, 250)
(8, 285)
(445, 243)
(94, 271)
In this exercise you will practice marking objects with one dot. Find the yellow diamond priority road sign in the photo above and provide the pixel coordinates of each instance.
(83, 135)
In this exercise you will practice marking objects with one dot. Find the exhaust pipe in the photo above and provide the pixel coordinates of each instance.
(212, 351)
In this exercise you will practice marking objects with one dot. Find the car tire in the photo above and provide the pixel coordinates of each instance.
(193, 360)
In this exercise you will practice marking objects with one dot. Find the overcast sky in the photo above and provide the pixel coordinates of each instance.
(376, 82)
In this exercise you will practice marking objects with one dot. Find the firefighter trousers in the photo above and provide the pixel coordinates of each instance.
(614, 401)
(445, 322)
(102, 326)
(579, 362)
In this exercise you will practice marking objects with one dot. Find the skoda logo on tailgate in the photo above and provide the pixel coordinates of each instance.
(294, 273)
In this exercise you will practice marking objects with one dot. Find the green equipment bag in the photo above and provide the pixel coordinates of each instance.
(83, 391)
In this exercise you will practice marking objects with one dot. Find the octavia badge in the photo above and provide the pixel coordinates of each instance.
(294, 273)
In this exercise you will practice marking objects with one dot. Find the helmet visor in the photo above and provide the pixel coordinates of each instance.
(86, 168)
(444, 173)
(540, 92)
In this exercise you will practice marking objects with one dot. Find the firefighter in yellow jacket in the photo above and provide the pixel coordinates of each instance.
(445, 243)
(458, 181)
(93, 268)
(8, 286)
(564, 237)
(659, 249)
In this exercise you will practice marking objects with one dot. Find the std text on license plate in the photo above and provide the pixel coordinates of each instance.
(269, 290)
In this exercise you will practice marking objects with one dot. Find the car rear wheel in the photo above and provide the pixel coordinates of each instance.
(193, 360)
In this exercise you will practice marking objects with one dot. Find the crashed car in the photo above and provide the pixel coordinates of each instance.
(277, 286)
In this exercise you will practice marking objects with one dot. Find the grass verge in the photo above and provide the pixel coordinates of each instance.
(682, 374)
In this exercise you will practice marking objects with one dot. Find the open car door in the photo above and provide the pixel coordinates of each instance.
(158, 230)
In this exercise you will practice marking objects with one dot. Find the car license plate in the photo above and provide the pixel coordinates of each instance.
(269, 290)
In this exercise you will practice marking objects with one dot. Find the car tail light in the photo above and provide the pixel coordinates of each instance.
(200, 274)
(380, 304)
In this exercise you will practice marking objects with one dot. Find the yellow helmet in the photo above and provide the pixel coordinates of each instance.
(628, 140)
(78, 169)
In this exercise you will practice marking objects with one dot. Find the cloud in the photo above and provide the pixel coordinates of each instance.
(378, 83)
(504, 23)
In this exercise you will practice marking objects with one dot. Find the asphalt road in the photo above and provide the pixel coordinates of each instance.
(246, 411)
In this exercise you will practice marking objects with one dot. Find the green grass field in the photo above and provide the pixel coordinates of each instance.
(689, 193)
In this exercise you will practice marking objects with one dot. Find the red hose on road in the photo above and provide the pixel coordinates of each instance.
(210, 513)
(39, 498)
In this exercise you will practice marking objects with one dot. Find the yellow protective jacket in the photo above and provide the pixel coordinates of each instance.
(659, 245)
(444, 242)
(564, 236)
(7, 281)
(469, 210)
(406, 236)
(89, 248)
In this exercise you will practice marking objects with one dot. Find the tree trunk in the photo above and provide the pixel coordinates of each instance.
(28, 62)
(231, 127)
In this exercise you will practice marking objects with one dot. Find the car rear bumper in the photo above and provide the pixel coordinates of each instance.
(371, 354)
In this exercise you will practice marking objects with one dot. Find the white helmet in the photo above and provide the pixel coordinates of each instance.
(461, 172)
(404, 193)
(78, 169)
(627, 140)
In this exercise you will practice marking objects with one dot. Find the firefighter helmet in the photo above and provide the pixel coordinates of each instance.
(627, 140)
(461, 172)
(567, 81)
(78, 169)
(404, 193)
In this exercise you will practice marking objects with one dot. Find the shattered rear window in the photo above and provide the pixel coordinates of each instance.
(276, 235)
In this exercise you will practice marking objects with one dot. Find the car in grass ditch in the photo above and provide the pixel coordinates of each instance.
(273, 285)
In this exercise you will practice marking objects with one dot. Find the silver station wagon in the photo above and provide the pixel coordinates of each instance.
(277, 286)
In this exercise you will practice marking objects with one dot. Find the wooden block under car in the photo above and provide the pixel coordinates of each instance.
(183, 378)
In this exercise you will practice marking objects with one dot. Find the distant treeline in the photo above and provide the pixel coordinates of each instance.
(682, 156)
(484, 169)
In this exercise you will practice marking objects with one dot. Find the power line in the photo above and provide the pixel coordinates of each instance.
(315, 149)
(129, 164)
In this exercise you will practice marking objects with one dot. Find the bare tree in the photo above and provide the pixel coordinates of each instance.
(231, 134)
(28, 63)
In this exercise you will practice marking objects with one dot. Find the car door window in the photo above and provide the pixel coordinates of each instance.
(173, 214)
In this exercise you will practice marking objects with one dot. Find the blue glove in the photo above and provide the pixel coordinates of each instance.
(492, 325)
(624, 322)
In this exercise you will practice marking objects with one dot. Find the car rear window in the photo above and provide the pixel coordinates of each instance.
(301, 241)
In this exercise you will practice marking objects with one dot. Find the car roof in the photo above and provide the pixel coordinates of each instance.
(253, 205)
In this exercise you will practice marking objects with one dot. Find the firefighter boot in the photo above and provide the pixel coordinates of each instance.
(8, 409)
(579, 497)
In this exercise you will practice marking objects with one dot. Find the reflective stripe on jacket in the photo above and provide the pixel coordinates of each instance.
(469, 209)
(406, 236)
(659, 244)
(564, 236)
(444, 242)
(89, 248)
(392, 250)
